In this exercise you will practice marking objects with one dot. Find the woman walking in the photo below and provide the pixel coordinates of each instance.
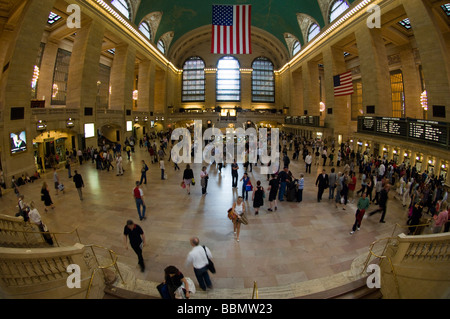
(273, 191)
(204, 180)
(239, 209)
(258, 197)
(188, 175)
(45, 196)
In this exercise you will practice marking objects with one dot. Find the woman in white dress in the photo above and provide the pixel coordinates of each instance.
(239, 210)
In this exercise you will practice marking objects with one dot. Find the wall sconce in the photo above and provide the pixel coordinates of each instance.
(70, 123)
(135, 95)
(41, 126)
(322, 107)
(424, 100)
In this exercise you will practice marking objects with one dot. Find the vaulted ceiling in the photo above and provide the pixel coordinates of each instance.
(274, 16)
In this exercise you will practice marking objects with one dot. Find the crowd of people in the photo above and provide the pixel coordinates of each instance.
(346, 177)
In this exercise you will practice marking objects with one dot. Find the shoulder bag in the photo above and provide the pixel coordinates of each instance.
(211, 266)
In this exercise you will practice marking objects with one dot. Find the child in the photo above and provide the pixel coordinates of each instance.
(161, 166)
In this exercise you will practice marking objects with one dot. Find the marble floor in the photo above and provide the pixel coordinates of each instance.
(297, 243)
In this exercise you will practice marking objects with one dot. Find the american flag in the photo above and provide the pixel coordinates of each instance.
(343, 84)
(231, 25)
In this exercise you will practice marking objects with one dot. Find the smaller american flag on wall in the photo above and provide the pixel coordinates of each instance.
(343, 84)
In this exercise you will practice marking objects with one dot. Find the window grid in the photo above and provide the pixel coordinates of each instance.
(446, 8)
(296, 48)
(193, 80)
(34, 87)
(263, 81)
(161, 47)
(313, 31)
(398, 94)
(123, 7)
(53, 18)
(144, 27)
(60, 76)
(103, 86)
(228, 85)
(337, 8)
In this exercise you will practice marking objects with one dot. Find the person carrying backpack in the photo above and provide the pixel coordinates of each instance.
(144, 170)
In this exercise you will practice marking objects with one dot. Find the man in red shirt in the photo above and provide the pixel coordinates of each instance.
(138, 195)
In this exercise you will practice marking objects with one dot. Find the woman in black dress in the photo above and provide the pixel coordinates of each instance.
(45, 196)
(258, 197)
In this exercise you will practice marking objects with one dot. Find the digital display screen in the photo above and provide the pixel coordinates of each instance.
(89, 130)
(428, 131)
(18, 142)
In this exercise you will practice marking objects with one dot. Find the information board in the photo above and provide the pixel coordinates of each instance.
(428, 131)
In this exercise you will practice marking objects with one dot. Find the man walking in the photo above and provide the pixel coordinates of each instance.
(198, 258)
(78, 180)
(138, 195)
(322, 183)
(382, 202)
(308, 162)
(234, 173)
(137, 240)
(144, 170)
(283, 178)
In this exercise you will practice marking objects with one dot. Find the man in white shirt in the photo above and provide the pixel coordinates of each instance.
(198, 258)
(308, 162)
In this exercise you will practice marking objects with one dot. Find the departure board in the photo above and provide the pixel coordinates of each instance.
(392, 126)
(428, 131)
(368, 124)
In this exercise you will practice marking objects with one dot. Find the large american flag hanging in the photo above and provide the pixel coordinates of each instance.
(343, 84)
(231, 26)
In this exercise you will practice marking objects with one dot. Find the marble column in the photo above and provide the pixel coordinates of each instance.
(122, 78)
(374, 71)
(144, 87)
(434, 53)
(339, 121)
(246, 90)
(19, 58)
(84, 66)
(412, 85)
(160, 91)
(296, 94)
(311, 88)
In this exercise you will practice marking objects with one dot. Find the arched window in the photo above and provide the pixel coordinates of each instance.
(228, 82)
(296, 48)
(193, 80)
(123, 6)
(313, 31)
(263, 81)
(144, 27)
(337, 8)
(161, 46)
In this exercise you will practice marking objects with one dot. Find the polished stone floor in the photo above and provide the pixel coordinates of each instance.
(297, 243)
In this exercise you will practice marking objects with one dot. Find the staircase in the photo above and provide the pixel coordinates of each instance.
(15, 233)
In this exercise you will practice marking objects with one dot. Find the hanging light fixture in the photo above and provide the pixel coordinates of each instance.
(322, 107)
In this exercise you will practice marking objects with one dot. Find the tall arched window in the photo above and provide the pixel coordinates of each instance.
(337, 8)
(263, 81)
(296, 48)
(228, 85)
(123, 6)
(193, 80)
(161, 46)
(144, 27)
(313, 31)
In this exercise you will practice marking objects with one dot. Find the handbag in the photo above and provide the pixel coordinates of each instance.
(249, 187)
(193, 181)
(183, 184)
(211, 266)
(244, 219)
(232, 216)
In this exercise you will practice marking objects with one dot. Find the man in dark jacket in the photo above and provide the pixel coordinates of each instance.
(78, 180)
(382, 202)
(322, 183)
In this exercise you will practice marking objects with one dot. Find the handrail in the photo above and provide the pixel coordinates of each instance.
(409, 226)
(114, 263)
(53, 234)
(382, 257)
(255, 291)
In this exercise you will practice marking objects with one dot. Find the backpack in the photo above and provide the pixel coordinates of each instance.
(146, 167)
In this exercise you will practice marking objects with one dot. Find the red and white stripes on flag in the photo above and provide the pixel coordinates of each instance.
(343, 84)
(231, 27)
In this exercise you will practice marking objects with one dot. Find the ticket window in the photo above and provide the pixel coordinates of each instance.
(406, 158)
(396, 156)
(430, 167)
(444, 171)
(385, 153)
(419, 163)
